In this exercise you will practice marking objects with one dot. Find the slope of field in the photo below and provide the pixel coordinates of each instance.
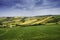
(43, 20)
(43, 32)
(36, 20)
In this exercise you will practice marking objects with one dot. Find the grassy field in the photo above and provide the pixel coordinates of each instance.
(42, 32)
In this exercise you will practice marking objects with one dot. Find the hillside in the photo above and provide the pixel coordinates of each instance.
(24, 21)
(43, 32)
(30, 28)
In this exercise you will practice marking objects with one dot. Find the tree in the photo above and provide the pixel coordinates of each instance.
(56, 20)
(23, 19)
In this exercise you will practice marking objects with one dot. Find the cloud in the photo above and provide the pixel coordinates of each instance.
(29, 7)
(29, 4)
(17, 12)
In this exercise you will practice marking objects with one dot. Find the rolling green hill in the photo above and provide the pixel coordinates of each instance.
(30, 28)
(24, 21)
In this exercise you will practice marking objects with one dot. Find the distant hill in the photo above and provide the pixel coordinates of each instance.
(35, 20)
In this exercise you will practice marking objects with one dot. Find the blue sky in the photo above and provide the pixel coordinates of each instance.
(29, 7)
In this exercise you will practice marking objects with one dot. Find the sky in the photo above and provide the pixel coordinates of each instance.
(29, 7)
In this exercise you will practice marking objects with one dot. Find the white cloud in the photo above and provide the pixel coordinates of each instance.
(33, 10)
(17, 12)
(31, 4)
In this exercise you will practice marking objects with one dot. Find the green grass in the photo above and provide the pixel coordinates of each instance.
(43, 32)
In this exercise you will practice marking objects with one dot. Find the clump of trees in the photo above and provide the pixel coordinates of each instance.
(54, 20)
